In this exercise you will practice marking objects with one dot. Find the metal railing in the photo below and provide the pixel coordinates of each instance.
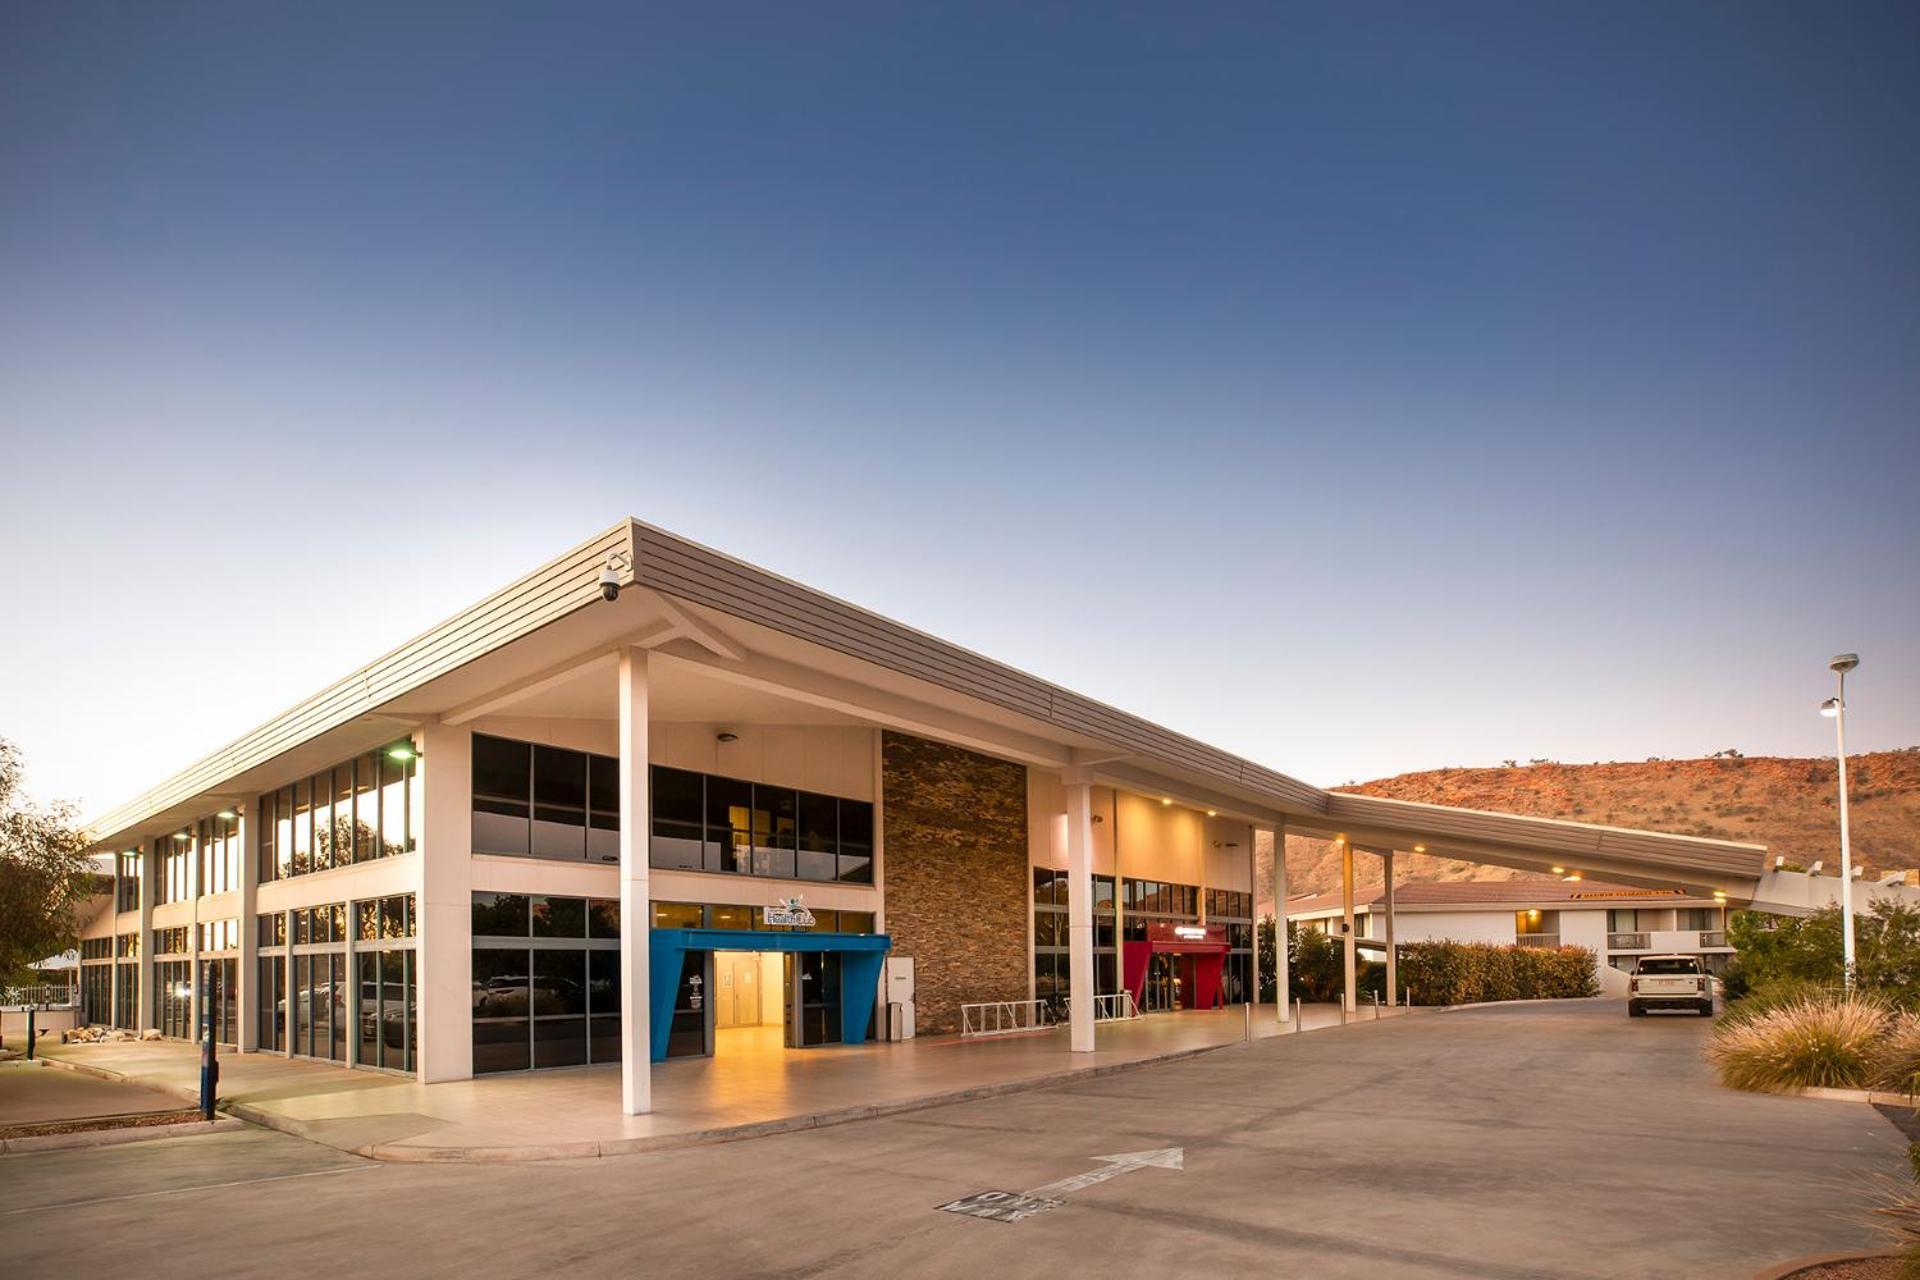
(1538, 940)
(43, 996)
(1628, 942)
(1713, 937)
(1117, 1006)
(1002, 1017)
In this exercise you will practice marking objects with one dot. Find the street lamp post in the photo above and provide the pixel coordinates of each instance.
(1836, 707)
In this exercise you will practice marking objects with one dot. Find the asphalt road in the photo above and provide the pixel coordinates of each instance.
(1524, 1141)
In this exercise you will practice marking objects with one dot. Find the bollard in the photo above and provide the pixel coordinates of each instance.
(209, 1063)
(1249, 1031)
(30, 1032)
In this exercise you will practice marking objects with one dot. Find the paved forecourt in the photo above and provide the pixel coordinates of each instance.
(1541, 1140)
(563, 1114)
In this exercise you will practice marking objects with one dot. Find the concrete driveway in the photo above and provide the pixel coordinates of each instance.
(1507, 1142)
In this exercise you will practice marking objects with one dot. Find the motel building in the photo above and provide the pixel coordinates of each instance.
(1617, 923)
(649, 803)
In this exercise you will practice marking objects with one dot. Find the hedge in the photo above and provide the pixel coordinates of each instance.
(1471, 972)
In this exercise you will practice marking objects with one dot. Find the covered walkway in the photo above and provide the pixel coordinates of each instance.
(758, 1088)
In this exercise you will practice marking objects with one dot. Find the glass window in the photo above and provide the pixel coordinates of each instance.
(774, 822)
(500, 915)
(678, 799)
(502, 769)
(559, 917)
(678, 915)
(603, 917)
(366, 807)
(729, 825)
(819, 837)
(603, 814)
(856, 922)
(559, 803)
(283, 834)
(730, 917)
(501, 981)
(502, 795)
(396, 820)
(560, 983)
(322, 841)
(856, 842)
(302, 828)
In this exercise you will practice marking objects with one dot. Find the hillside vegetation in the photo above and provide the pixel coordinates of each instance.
(1790, 805)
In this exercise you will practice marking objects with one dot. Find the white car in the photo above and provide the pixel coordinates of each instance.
(1670, 982)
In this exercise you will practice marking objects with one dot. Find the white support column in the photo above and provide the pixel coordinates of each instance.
(1282, 969)
(1393, 962)
(1080, 985)
(1349, 997)
(636, 908)
(1253, 900)
(442, 824)
(246, 998)
(149, 876)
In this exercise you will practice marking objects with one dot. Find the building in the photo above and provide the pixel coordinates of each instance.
(1618, 923)
(435, 865)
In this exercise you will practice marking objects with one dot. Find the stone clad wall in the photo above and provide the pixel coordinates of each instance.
(956, 875)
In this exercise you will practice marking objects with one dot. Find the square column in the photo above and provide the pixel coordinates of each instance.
(246, 996)
(443, 910)
(1393, 964)
(1350, 996)
(1282, 965)
(636, 907)
(1080, 984)
(143, 998)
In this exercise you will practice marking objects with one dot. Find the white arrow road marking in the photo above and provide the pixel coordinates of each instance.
(1112, 1167)
(1010, 1206)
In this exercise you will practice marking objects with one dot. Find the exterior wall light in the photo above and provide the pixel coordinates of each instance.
(1213, 813)
(1419, 848)
(1559, 871)
(227, 815)
(726, 737)
(402, 752)
(1166, 799)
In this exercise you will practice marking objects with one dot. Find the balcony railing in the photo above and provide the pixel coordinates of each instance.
(1538, 939)
(1667, 940)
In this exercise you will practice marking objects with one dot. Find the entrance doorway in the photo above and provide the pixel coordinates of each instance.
(747, 987)
(713, 990)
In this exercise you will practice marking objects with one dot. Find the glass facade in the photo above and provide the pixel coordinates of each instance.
(357, 811)
(339, 982)
(173, 858)
(218, 840)
(539, 801)
(703, 822)
(546, 981)
(126, 996)
(1234, 909)
(1052, 961)
(172, 984)
(96, 981)
(127, 882)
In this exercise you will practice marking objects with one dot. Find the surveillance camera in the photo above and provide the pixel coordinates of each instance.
(609, 585)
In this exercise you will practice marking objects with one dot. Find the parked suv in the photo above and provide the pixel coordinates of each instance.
(1670, 982)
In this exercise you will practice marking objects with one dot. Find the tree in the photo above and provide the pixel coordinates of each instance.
(45, 872)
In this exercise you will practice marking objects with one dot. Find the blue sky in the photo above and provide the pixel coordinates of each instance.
(1361, 388)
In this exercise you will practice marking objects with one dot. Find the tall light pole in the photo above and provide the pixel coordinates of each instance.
(1836, 707)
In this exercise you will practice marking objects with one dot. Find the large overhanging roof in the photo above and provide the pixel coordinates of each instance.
(733, 621)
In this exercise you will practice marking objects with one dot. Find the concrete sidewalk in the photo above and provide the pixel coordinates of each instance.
(571, 1113)
(32, 1094)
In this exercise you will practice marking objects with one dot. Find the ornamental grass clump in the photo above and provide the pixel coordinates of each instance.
(1823, 1043)
(1898, 1068)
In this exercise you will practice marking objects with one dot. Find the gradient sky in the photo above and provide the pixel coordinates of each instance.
(1362, 388)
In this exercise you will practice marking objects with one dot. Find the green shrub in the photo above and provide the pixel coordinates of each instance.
(1475, 972)
(1826, 1042)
